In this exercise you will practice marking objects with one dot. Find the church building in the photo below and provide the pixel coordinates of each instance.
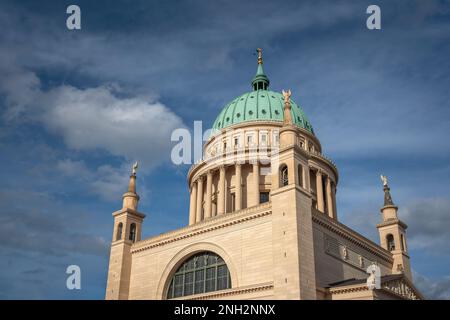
(263, 221)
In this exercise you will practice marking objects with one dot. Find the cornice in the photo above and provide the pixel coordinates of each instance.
(351, 235)
(391, 222)
(230, 292)
(205, 226)
(128, 211)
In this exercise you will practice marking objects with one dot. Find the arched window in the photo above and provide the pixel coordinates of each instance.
(132, 232)
(201, 273)
(402, 242)
(390, 242)
(284, 180)
(300, 176)
(119, 231)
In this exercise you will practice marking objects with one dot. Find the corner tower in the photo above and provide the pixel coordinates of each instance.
(293, 248)
(393, 234)
(127, 230)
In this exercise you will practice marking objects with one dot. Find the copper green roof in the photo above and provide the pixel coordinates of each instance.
(260, 104)
(263, 105)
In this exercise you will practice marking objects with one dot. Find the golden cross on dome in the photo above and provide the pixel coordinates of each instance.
(259, 50)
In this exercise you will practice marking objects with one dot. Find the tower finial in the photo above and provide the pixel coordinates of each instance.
(287, 107)
(135, 166)
(387, 194)
(260, 81)
(260, 60)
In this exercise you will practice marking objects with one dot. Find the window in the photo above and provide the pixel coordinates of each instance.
(402, 242)
(263, 197)
(249, 140)
(132, 236)
(300, 176)
(236, 142)
(233, 202)
(284, 181)
(263, 139)
(276, 138)
(390, 242)
(204, 272)
(119, 231)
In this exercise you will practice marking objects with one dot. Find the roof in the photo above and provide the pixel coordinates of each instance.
(261, 104)
(353, 281)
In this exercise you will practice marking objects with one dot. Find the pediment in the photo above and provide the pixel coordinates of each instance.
(402, 287)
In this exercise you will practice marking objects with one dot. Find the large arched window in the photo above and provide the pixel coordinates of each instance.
(119, 231)
(201, 273)
(284, 180)
(390, 242)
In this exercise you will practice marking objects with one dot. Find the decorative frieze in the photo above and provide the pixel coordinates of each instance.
(401, 288)
(338, 250)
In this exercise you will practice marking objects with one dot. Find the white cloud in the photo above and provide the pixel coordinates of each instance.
(94, 118)
(431, 288)
(428, 223)
(106, 181)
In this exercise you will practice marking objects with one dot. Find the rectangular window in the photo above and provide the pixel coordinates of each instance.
(199, 276)
(189, 283)
(233, 202)
(178, 286)
(263, 139)
(210, 282)
(263, 197)
(222, 277)
(249, 140)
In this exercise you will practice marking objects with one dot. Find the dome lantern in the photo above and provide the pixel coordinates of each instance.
(260, 81)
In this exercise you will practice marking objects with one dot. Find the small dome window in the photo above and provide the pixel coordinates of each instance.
(277, 112)
(238, 115)
(251, 97)
(242, 99)
(250, 112)
(262, 96)
(227, 119)
(263, 111)
(218, 124)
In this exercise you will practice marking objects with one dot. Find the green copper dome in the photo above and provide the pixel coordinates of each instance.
(261, 104)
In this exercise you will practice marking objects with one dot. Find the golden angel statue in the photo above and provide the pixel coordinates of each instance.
(287, 95)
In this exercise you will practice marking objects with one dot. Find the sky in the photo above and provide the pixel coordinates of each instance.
(78, 107)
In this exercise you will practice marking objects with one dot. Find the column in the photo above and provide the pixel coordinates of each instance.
(255, 183)
(193, 204)
(329, 199)
(238, 194)
(221, 200)
(319, 188)
(199, 199)
(208, 211)
(333, 195)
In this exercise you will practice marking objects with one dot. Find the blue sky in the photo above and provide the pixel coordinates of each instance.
(77, 108)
